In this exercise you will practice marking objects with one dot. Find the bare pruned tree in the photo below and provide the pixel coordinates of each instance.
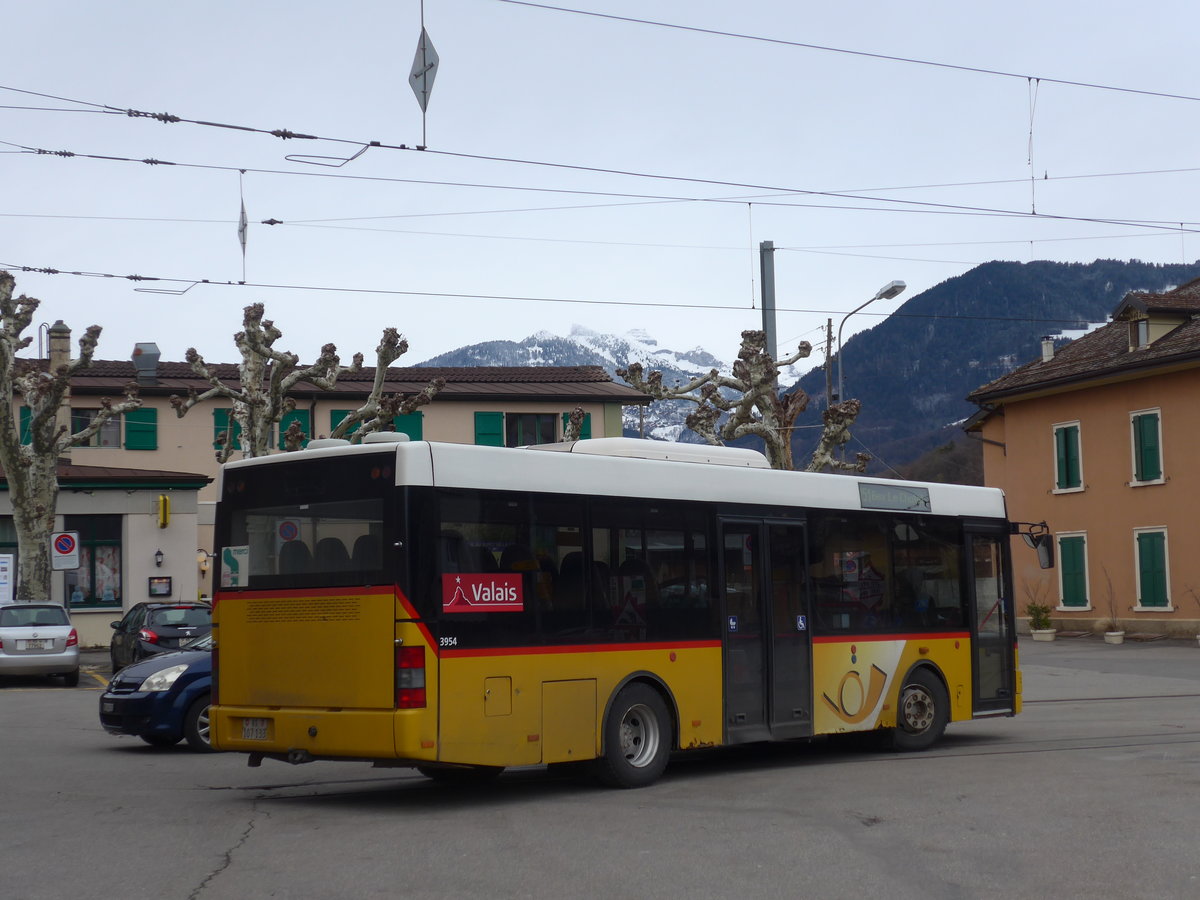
(31, 466)
(265, 378)
(574, 427)
(748, 402)
(380, 409)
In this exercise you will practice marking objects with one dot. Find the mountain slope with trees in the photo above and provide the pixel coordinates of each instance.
(913, 370)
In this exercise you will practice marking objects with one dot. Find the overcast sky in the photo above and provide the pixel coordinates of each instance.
(481, 238)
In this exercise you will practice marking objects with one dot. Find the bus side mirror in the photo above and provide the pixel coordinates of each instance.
(1044, 546)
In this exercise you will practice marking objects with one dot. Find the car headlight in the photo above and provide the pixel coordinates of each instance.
(163, 678)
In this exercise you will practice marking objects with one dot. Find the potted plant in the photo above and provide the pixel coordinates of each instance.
(1039, 621)
(1114, 633)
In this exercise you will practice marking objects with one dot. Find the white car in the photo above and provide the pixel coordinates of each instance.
(37, 639)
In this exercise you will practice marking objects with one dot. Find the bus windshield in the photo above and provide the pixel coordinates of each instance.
(317, 544)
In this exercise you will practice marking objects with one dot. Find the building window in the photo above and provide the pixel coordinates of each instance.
(497, 429)
(1139, 333)
(585, 430)
(521, 429)
(1152, 582)
(1073, 581)
(109, 434)
(8, 559)
(96, 584)
(1147, 447)
(1068, 464)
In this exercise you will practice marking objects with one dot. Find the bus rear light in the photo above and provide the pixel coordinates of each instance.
(410, 678)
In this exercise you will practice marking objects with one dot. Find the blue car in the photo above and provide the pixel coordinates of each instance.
(163, 699)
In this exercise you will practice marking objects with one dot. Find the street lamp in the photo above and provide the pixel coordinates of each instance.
(887, 292)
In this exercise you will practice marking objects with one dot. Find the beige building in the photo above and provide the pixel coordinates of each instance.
(1098, 441)
(485, 405)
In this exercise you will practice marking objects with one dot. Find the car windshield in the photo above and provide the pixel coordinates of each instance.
(32, 616)
(181, 616)
(200, 643)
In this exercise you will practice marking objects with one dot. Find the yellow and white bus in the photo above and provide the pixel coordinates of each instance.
(462, 609)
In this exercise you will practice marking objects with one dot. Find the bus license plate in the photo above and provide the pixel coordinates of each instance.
(35, 645)
(254, 729)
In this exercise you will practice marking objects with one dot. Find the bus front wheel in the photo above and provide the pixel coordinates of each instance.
(637, 739)
(923, 712)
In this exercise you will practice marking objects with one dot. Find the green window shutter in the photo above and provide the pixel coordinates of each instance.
(141, 429)
(412, 424)
(1066, 448)
(1074, 577)
(585, 430)
(1152, 568)
(26, 416)
(221, 419)
(489, 429)
(335, 419)
(296, 415)
(1147, 455)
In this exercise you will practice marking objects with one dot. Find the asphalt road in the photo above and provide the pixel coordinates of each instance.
(1092, 792)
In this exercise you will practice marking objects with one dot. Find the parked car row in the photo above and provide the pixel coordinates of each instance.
(161, 655)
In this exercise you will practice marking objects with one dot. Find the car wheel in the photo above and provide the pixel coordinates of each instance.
(637, 739)
(922, 714)
(196, 725)
(159, 740)
(71, 679)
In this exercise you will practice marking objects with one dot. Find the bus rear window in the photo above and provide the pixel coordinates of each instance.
(305, 544)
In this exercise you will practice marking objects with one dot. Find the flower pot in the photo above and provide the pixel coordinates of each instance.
(1114, 637)
(1043, 634)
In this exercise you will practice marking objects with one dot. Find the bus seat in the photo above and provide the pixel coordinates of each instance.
(366, 556)
(295, 558)
(331, 556)
(568, 590)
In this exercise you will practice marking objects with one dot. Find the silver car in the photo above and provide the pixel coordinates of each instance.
(37, 639)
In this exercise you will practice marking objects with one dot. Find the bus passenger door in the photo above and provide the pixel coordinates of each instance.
(991, 624)
(768, 680)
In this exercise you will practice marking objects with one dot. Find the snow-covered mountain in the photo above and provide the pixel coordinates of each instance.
(585, 347)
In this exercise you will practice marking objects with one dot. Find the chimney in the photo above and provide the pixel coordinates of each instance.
(145, 362)
(1047, 348)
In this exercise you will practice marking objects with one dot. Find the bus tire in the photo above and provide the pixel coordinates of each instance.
(460, 774)
(196, 725)
(921, 713)
(637, 739)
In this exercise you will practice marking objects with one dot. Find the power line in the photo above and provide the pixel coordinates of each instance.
(896, 205)
(862, 53)
(713, 307)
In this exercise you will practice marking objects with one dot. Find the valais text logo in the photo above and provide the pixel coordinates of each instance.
(468, 592)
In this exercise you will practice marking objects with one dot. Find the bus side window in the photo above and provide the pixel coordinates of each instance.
(331, 555)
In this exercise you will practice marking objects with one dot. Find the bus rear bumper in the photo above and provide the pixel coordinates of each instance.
(304, 735)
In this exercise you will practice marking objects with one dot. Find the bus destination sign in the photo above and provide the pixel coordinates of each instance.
(904, 498)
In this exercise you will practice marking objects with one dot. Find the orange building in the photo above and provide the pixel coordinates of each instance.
(1098, 440)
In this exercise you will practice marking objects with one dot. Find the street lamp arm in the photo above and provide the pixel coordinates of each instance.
(887, 292)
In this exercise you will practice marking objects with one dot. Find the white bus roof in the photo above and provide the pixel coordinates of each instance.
(630, 467)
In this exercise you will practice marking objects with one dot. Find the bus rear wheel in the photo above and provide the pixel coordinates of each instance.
(637, 739)
(922, 714)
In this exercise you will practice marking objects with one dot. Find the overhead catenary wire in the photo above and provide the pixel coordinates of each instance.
(662, 304)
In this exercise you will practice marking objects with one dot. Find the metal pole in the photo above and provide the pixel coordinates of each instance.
(766, 261)
(829, 401)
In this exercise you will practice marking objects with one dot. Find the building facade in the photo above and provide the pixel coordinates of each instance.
(1097, 440)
